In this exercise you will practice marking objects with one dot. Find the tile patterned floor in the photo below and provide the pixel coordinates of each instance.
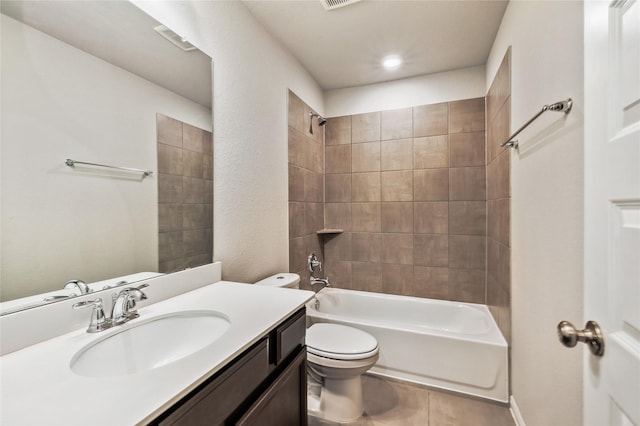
(392, 403)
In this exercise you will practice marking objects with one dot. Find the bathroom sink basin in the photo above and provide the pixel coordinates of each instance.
(150, 344)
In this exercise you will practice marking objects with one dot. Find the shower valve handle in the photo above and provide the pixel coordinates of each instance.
(313, 263)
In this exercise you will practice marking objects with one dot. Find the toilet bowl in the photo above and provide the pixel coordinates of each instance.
(337, 356)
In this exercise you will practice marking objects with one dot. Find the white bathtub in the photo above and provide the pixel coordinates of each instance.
(449, 345)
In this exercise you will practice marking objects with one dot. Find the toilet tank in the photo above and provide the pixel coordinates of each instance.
(283, 279)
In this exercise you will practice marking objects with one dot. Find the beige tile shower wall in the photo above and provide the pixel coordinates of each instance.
(499, 198)
(306, 187)
(185, 195)
(408, 187)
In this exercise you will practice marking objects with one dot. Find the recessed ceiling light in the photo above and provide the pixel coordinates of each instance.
(392, 62)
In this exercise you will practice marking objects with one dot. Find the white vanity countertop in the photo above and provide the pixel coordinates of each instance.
(37, 386)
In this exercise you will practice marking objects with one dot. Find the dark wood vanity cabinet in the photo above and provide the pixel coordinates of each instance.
(284, 402)
(265, 385)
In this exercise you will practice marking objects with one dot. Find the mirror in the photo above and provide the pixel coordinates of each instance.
(86, 81)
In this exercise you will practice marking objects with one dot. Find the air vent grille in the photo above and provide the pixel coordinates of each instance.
(174, 38)
(335, 4)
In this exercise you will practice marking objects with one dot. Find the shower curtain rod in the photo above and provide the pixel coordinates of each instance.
(562, 106)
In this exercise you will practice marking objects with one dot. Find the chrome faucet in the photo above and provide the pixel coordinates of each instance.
(323, 281)
(123, 308)
(312, 263)
(80, 285)
(124, 304)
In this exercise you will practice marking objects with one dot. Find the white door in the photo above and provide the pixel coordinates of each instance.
(612, 209)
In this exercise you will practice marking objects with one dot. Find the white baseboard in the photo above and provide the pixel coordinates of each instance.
(515, 412)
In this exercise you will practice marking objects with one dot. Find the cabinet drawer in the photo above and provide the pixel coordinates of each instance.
(213, 402)
(288, 336)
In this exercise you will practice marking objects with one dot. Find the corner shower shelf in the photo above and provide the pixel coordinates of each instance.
(329, 231)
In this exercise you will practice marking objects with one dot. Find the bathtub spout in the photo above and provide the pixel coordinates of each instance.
(323, 281)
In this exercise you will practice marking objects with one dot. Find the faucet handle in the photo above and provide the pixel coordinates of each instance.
(118, 284)
(88, 303)
(98, 321)
(313, 262)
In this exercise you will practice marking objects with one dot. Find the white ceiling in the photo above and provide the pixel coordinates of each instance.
(123, 35)
(339, 48)
(344, 47)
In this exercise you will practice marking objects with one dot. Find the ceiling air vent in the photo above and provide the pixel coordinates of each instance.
(174, 38)
(335, 4)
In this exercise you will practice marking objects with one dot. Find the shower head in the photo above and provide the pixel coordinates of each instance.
(321, 121)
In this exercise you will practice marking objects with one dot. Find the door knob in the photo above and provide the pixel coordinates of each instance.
(591, 335)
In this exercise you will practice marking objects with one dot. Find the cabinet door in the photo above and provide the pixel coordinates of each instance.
(215, 401)
(284, 402)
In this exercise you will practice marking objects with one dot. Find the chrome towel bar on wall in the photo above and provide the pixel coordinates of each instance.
(562, 106)
(69, 162)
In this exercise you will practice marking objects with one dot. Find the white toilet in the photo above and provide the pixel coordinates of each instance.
(337, 356)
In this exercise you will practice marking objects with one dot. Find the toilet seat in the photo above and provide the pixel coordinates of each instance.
(338, 355)
(340, 342)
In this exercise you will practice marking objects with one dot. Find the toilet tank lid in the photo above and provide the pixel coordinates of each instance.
(284, 279)
(340, 339)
